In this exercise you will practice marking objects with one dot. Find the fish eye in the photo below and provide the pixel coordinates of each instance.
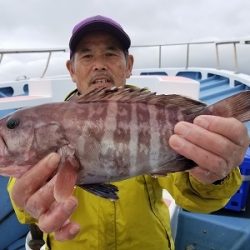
(12, 123)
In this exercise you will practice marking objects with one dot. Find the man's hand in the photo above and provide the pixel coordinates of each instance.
(215, 143)
(33, 193)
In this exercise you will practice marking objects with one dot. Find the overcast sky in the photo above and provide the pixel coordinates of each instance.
(48, 23)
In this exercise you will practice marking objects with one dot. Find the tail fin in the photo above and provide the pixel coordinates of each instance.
(237, 106)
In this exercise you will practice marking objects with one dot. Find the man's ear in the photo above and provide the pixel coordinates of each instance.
(130, 63)
(70, 67)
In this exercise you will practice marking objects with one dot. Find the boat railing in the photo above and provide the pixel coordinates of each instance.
(217, 45)
(159, 47)
(29, 51)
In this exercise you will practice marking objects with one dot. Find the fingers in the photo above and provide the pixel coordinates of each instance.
(40, 201)
(216, 144)
(203, 139)
(231, 128)
(66, 179)
(54, 218)
(202, 157)
(34, 193)
(34, 179)
(234, 148)
(203, 175)
(67, 232)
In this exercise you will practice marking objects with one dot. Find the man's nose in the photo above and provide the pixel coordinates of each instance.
(100, 64)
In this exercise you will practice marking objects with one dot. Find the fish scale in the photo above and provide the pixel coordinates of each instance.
(106, 135)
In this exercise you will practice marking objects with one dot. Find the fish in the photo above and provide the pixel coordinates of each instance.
(106, 135)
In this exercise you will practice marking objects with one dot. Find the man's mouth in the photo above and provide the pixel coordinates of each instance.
(101, 81)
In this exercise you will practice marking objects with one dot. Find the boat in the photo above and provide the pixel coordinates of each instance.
(224, 229)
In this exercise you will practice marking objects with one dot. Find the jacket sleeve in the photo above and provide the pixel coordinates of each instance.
(23, 217)
(194, 196)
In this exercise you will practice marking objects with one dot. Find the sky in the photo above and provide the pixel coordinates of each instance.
(48, 23)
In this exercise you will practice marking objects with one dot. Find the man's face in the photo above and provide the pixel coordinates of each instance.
(99, 59)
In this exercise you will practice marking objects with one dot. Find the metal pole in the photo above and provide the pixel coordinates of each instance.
(1, 57)
(187, 57)
(236, 66)
(47, 65)
(159, 56)
(217, 56)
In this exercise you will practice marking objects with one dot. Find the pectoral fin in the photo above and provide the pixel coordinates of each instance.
(177, 164)
(66, 178)
(107, 191)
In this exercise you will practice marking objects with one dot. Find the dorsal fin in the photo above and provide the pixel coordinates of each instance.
(134, 94)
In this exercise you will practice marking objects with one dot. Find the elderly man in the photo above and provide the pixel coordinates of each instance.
(99, 55)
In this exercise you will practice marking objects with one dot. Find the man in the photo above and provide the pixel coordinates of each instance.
(139, 219)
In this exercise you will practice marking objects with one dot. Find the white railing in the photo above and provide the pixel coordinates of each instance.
(32, 51)
(159, 47)
(216, 44)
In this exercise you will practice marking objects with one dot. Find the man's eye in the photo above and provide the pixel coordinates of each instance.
(12, 123)
(110, 54)
(87, 56)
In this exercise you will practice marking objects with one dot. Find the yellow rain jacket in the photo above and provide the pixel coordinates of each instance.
(140, 218)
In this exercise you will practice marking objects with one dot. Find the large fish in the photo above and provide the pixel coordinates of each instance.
(107, 135)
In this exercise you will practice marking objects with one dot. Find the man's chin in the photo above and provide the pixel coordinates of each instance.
(100, 85)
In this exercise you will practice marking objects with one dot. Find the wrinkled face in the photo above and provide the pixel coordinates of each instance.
(99, 59)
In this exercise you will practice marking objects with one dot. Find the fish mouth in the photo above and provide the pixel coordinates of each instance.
(7, 167)
(3, 148)
(5, 158)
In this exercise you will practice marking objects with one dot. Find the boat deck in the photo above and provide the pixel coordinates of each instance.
(211, 89)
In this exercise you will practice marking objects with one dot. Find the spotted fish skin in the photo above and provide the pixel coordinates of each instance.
(108, 134)
(128, 135)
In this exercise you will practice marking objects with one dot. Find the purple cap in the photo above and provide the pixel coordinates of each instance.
(98, 23)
